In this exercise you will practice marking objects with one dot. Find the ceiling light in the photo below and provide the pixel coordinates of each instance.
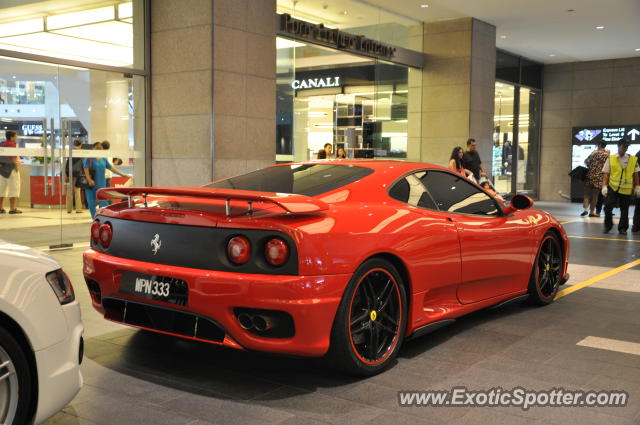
(637, 50)
(503, 37)
(344, 12)
(83, 17)
(424, 6)
(552, 54)
(21, 27)
(113, 32)
(50, 44)
(600, 27)
(284, 43)
(125, 10)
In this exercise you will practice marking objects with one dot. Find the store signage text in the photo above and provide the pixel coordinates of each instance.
(611, 134)
(316, 83)
(335, 38)
(32, 129)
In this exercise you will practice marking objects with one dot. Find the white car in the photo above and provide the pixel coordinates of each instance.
(41, 342)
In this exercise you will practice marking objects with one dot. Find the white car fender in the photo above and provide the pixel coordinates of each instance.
(27, 298)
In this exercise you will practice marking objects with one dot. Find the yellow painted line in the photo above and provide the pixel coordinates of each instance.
(611, 345)
(572, 221)
(604, 239)
(570, 289)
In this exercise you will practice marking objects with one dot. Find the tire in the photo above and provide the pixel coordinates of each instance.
(15, 381)
(547, 269)
(373, 309)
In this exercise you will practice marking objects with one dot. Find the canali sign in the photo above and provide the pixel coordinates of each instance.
(316, 83)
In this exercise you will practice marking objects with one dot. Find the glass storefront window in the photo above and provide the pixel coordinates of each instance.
(528, 140)
(60, 105)
(503, 137)
(516, 139)
(353, 102)
(329, 96)
(99, 32)
(58, 89)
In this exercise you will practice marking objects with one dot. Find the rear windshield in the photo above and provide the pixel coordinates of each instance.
(306, 179)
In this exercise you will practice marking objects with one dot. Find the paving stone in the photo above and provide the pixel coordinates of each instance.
(135, 377)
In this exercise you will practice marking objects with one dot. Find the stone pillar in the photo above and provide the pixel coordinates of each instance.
(181, 104)
(244, 84)
(213, 89)
(555, 152)
(458, 88)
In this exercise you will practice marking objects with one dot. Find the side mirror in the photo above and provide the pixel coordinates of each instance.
(518, 202)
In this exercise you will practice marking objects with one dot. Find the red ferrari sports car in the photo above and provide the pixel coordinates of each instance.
(343, 259)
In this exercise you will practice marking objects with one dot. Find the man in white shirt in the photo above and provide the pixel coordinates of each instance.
(619, 181)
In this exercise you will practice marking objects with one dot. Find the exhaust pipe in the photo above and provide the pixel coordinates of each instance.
(263, 323)
(246, 321)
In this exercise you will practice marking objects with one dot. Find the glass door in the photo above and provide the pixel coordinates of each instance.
(102, 125)
(503, 141)
(29, 130)
(60, 115)
(528, 137)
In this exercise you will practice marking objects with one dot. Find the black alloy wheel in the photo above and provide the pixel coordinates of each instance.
(547, 270)
(371, 320)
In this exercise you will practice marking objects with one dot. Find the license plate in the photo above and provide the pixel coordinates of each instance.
(153, 287)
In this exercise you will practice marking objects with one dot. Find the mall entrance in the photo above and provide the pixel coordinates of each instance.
(58, 113)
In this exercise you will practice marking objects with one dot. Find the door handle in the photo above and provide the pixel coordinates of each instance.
(69, 171)
(45, 158)
(53, 161)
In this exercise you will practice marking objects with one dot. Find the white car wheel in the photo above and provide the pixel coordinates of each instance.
(15, 392)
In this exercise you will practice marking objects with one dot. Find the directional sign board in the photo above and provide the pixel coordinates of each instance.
(609, 134)
(586, 139)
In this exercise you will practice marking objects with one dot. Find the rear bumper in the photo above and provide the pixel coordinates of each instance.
(312, 301)
(59, 376)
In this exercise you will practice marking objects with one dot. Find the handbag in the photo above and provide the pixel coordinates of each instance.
(82, 182)
(579, 173)
(5, 171)
(6, 167)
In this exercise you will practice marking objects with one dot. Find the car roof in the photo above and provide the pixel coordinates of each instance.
(385, 172)
(375, 164)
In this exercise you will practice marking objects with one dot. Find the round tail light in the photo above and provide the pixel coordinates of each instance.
(95, 231)
(106, 234)
(276, 252)
(239, 250)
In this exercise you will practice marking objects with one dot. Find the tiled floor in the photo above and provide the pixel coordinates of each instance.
(134, 377)
(40, 227)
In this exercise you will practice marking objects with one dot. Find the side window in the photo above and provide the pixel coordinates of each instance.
(454, 194)
(411, 190)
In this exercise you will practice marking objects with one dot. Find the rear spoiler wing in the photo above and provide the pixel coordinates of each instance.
(292, 203)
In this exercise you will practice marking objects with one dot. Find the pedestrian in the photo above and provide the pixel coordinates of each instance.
(74, 196)
(619, 180)
(328, 148)
(10, 175)
(94, 171)
(636, 214)
(107, 173)
(341, 154)
(455, 162)
(471, 160)
(593, 181)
